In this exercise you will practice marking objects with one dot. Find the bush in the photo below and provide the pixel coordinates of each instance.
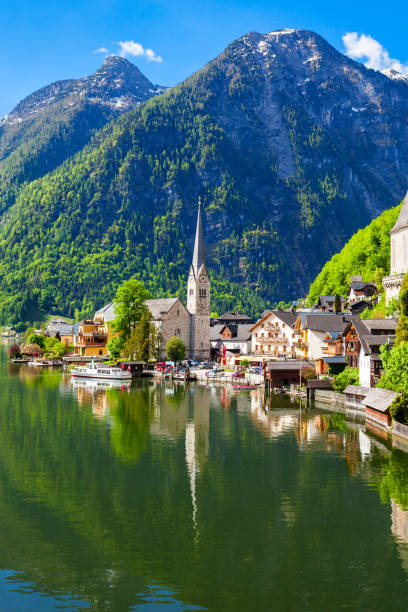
(175, 349)
(399, 409)
(349, 376)
(14, 351)
(245, 363)
(308, 373)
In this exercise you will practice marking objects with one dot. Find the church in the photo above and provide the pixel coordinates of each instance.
(399, 255)
(192, 323)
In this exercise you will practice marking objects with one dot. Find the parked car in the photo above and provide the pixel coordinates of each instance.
(238, 375)
(253, 370)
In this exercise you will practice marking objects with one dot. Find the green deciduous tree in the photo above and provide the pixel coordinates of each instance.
(349, 376)
(37, 339)
(175, 349)
(115, 346)
(395, 363)
(399, 409)
(143, 342)
(130, 305)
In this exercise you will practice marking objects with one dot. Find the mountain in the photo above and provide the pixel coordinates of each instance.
(56, 121)
(366, 253)
(291, 145)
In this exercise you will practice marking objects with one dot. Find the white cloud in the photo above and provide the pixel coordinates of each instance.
(129, 47)
(101, 50)
(363, 46)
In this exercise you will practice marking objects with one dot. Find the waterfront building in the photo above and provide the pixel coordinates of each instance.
(91, 338)
(313, 328)
(170, 315)
(399, 256)
(363, 338)
(274, 335)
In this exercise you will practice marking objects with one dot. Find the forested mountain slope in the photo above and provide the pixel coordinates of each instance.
(291, 145)
(366, 253)
(56, 121)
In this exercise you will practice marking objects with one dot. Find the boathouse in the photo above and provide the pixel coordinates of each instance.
(377, 403)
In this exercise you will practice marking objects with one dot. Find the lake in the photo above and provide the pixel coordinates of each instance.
(170, 498)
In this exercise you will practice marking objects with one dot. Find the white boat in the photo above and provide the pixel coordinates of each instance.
(100, 370)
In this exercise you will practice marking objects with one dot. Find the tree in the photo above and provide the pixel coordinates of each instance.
(130, 304)
(175, 349)
(36, 339)
(30, 349)
(14, 351)
(395, 363)
(115, 346)
(399, 409)
(337, 303)
(349, 376)
(401, 331)
(143, 343)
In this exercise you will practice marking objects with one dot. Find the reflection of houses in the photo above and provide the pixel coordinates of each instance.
(399, 256)
(275, 335)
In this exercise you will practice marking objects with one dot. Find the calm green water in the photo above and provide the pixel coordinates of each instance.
(162, 498)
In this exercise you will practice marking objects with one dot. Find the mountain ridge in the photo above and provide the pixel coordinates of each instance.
(291, 146)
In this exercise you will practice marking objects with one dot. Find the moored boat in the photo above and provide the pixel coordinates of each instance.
(244, 387)
(100, 370)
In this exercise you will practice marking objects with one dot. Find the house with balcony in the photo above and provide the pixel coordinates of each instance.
(91, 338)
(360, 290)
(363, 339)
(274, 335)
(314, 329)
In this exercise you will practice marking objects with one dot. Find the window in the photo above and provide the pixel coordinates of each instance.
(177, 333)
(203, 293)
(178, 312)
(191, 291)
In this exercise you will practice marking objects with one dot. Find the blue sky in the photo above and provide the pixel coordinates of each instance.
(44, 41)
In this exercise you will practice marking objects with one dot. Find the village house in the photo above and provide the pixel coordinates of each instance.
(313, 329)
(62, 330)
(360, 290)
(333, 359)
(230, 335)
(172, 318)
(399, 257)
(91, 338)
(363, 338)
(274, 335)
(325, 303)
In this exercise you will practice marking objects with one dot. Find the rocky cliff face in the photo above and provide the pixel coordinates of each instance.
(118, 84)
(291, 145)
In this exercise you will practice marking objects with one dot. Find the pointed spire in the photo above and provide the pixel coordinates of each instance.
(199, 251)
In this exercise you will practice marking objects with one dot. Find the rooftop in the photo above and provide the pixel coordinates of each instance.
(402, 220)
(380, 399)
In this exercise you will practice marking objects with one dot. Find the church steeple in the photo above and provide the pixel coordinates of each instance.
(199, 250)
(198, 296)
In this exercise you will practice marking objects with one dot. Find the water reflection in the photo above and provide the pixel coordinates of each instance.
(191, 496)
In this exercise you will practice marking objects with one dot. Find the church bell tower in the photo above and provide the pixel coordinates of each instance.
(198, 296)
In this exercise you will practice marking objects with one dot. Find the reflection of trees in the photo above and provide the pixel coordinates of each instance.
(132, 416)
(95, 512)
